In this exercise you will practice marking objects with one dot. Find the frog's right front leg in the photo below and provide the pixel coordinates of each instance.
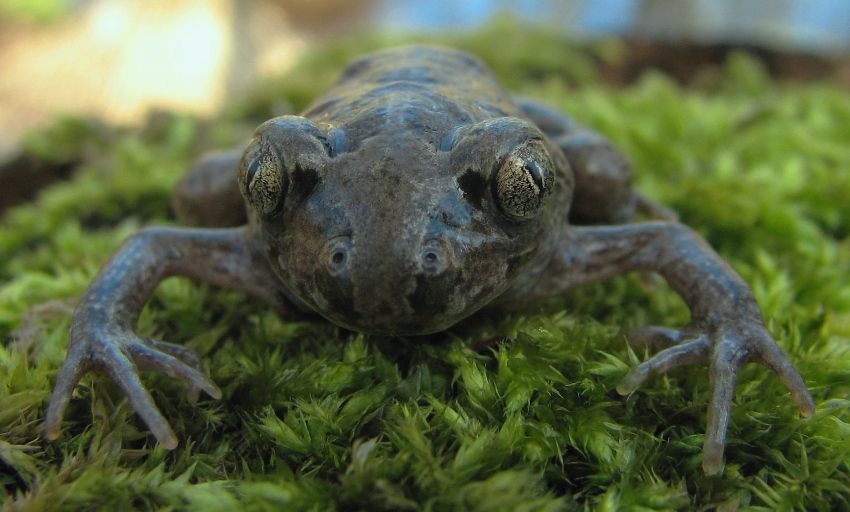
(726, 329)
(103, 329)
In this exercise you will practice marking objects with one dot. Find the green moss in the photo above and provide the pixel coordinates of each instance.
(317, 418)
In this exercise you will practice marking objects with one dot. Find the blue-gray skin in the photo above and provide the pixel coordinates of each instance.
(412, 194)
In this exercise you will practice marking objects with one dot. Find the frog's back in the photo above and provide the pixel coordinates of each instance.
(424, 85)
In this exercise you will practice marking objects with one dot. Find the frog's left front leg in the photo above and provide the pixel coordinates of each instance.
(726, 328)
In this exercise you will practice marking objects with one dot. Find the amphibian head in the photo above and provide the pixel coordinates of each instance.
(403, 231)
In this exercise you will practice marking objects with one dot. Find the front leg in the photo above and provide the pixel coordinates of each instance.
(103, 328)
(726, 328)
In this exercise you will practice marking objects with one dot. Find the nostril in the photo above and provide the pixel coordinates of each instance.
(336, 255)
(432, 258)
(338, 260)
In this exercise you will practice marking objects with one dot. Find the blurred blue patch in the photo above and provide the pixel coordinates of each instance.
(807, 25)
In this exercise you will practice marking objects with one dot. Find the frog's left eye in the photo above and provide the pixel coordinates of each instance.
(524, 180)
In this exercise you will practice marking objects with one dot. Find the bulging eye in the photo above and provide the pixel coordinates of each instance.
(284, 160)
(524, 181)
(262, 178)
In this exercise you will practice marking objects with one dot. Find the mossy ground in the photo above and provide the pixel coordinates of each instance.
(318, 418)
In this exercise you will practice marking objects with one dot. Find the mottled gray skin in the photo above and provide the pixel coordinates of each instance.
(412, 194)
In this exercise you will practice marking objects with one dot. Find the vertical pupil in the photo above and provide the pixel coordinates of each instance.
(536, 174)
(252, 171)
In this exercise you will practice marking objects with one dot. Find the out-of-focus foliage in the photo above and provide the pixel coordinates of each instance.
(33, 10)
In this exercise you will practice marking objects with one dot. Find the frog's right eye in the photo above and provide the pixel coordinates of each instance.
(285, 158)
(262, 178)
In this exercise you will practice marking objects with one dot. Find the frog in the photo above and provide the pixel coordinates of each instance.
(412, 194)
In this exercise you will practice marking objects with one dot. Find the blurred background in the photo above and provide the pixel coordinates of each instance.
(118, 59)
